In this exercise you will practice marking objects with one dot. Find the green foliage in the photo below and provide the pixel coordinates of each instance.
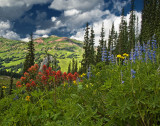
(101, 100)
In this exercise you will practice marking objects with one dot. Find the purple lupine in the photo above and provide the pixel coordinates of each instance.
(89, 73)
(122, 77)
(133, 73)
(104, 54)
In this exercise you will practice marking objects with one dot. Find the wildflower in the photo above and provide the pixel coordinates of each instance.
(122, 82)
(28, 98)
(83, 75)
(28, 85)
(132, 73)
(19, 86)
(125, 55)
(26, 74)
(122, 57)
(87, 85)
(74, 82)
(18, 83)
(16, 97)
(3, 86)
(118, 56)
(70, 76)
(23, 79)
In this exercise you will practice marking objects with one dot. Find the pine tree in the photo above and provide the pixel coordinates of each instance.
(101, 45)
(29, 61)
(131, 28)
(73, 66)
(76, 67)
(111, 40)
(85, 60)
(122, 42)
(91, 46)
(69, 68)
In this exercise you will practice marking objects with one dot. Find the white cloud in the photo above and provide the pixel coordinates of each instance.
(45, 36)
(75, 4)
(118, 5)
(13, 9)
(107, 26)
(25, 39)
(6, 32)
(42, 32)
(53, 19)
(71, 12)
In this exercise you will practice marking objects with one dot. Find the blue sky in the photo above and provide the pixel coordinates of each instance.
(18, 18)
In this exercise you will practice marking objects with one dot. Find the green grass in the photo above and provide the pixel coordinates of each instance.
(18, 49)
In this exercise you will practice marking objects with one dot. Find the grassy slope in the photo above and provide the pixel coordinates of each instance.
(13, 52)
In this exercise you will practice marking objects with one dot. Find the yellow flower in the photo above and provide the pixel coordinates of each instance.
(118, 56)
(91, 84)
(3, 86)
(125, 54)
(87, 85)
(122, 57)
(28, 98)
(83, 75)
(65, 84)
(74, 82)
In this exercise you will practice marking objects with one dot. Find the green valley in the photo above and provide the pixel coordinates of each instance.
(13, 52)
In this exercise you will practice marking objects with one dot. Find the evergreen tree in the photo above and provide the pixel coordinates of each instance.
(29, 61)
(122, 42)
(131, 27)
(91, 46)
(101, 45)
(76, 67)
(85, 60)
(73, 66)
(111, 40)
(69, 68)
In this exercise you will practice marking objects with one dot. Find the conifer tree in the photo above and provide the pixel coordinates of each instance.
(85, 60)
(101, 45)
(29, 61)
(69, 68)
(73, 66)
(76, 67)
(91, 46)
(131, 28)
(111, 40)
(122, 42)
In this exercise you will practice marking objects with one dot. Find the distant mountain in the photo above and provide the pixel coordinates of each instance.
(13, 52)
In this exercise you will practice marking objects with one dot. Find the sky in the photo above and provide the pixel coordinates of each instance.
(64, 18)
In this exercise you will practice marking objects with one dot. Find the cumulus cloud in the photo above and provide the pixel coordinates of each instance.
(71, 12)
(13, 9)
(107, 26)
(53, 19)
(118, 5)
(75, 4)
(6, 32)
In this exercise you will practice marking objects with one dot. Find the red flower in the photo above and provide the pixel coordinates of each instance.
(18, 83)
(43, 78)
(44, 67)
(70, 76)
(28, 85)
(47, 72)
(59, 73)
(64, 76)
(36, 66)
(26, 74)
(19, 86)
(33, 84)
(23, 79)
(75, 76)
